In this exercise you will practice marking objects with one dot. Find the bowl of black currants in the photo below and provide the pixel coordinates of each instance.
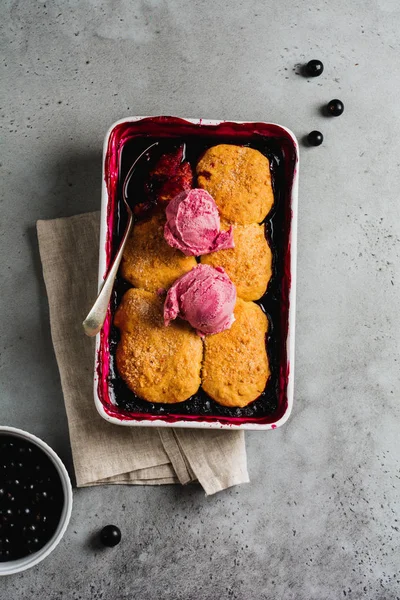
(35, 500)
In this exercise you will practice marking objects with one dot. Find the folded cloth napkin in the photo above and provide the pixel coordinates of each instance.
(103, 452)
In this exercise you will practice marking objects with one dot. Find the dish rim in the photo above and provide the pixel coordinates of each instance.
(290, 341)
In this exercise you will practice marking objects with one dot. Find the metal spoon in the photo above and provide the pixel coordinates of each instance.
(96, 317)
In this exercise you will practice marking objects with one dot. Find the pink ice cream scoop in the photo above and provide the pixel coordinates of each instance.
(193, 224)
(205, 297)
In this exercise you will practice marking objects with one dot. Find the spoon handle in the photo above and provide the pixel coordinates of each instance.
(96, 317)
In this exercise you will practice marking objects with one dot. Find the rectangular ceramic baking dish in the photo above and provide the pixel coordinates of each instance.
(240, 132)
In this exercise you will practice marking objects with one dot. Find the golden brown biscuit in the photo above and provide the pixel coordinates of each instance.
(158, 363)
(235, 366)
(239, 180)
(248, 264)
(148, 261)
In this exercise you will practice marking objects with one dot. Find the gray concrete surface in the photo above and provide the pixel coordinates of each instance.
(320, 519)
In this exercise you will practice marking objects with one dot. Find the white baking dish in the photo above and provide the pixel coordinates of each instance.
(116, 137)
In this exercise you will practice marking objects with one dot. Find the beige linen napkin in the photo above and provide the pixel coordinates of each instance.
(102, 452)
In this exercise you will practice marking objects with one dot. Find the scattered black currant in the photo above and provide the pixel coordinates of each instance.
(314, 68)
(315, 138)
(335, 108)
(110, 535)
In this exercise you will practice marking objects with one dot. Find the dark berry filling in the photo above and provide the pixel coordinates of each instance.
(31, 498)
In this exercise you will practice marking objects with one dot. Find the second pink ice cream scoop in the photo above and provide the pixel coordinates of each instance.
(205, 297)
(193, 224)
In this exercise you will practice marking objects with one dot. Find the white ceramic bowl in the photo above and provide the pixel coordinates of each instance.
(21, 564)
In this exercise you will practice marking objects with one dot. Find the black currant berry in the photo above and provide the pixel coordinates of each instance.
(315, 138)
(110, 535)
(314, 68)
(335, 108)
